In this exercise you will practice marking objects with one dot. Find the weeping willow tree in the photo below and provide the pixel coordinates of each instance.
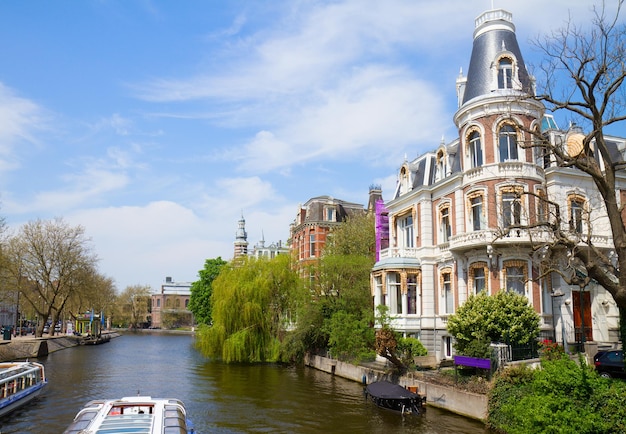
(252, 303)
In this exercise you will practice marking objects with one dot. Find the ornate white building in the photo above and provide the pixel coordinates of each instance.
(451, 228)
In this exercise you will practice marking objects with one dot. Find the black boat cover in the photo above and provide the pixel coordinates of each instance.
(385, 389)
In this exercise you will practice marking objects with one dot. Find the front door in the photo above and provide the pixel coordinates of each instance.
(582, 315)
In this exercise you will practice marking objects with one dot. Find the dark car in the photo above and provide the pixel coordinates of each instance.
(610, 363)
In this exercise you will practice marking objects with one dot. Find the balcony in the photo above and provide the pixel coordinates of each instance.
(508, 169)
(398, 252)
(470, 240)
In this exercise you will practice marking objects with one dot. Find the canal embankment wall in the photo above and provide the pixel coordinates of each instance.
(26, 347)
(472, 405)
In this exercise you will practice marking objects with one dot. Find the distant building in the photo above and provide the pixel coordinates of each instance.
(9, 306)
(260, 250)
(313, 223)
(170, 307)
(241, 239)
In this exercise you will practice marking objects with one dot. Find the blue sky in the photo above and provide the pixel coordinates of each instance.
(156, 124)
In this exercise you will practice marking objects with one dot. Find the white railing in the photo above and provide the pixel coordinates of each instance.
(492, 15)
(507, 169)
(398, 252)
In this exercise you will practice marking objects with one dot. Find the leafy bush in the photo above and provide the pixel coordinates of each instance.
(503, 317)
(562, 396)
(549, 350)
(411, 347)
(479, 347)
(408, 348)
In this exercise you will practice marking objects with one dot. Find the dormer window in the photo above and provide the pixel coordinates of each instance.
(505, 73)
(442, 165)
(330, 214)
(404, 180)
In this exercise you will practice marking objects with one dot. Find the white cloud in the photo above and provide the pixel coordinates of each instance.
(20, 121)
(232, 196)
(155, 240)
(85, 188)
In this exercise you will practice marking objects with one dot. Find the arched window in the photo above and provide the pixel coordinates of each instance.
(511, 209)
(405, 231)
(542, 206)
(475, 149)
(404, 180)
(394, 289)
(515, 276)
(508, 143)
(446, 290)
(445, 226)
(412, 293)
(476, 208)
(442, 165)
(505, 73)
(478, 277)
(576, 204)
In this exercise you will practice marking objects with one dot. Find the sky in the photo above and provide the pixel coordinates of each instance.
(157, 124)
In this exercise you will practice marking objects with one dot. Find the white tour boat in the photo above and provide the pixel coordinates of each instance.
(20, 383)
(136, 414)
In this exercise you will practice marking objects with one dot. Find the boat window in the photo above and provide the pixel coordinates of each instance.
(174, 430)
(88, 415)
(174, 421)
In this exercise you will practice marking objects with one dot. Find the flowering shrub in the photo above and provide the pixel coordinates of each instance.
(549, 350)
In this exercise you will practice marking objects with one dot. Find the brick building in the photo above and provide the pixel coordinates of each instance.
(170, 306)
(313, 222)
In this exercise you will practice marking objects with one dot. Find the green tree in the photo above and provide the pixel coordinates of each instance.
(341, 286)
(391, 345)
(201, 290)
(355, 236)
(134, 303)
(98, 294)
(253, 303)
(350, 337)
(338, 293)
(503, 317)
(49, 263)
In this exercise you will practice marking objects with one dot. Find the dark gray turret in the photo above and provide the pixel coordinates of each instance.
(496, 66)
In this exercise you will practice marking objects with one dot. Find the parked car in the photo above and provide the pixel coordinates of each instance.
(610, 363)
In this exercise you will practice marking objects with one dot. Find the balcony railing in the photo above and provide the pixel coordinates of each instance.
(473, 239)
(507, 169)
(496, 237)
(398, 252)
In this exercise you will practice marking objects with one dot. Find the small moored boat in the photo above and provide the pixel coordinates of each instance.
(136, 414)
(394, 397)
(20, 383)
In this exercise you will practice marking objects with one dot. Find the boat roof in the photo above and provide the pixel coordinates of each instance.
(13, 369)
(137, 414)
(385, 389)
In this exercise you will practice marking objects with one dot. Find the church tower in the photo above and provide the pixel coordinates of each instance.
(241, 239)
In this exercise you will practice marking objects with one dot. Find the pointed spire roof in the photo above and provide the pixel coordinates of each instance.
(494, 34)
(241, 234)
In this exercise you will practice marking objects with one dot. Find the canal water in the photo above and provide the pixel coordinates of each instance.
(219, 398)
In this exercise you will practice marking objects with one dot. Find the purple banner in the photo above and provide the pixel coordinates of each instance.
(472, 362)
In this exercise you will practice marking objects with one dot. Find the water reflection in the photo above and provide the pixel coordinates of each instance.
(220, 398)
